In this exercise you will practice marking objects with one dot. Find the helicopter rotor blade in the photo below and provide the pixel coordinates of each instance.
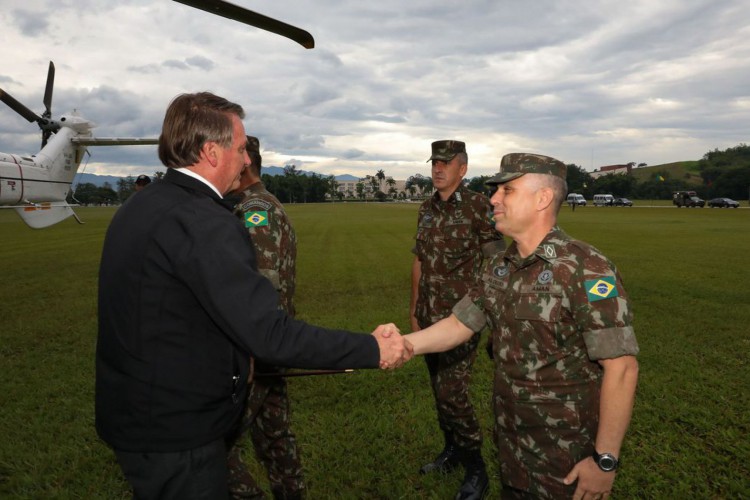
(18, 107)
(48, 91)
(236, 13)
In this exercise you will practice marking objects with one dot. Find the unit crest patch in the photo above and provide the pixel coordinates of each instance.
(545, 277)
(500, 271)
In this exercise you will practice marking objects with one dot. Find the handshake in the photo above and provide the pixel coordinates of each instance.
(395, 350)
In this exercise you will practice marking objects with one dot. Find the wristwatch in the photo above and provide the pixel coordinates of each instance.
(606, 461)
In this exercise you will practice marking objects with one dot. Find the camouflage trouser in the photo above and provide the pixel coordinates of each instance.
(450, 373)
(266, 419)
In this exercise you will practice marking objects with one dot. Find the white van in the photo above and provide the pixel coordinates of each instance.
(576, 199)
(604, 200)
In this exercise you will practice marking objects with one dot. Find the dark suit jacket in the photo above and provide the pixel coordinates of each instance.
(181, 309)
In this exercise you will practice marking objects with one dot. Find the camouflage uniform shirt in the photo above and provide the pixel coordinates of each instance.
(274, 241)
(451, 238)
(552, 315)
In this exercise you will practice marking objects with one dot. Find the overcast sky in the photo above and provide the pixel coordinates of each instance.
(592, 83)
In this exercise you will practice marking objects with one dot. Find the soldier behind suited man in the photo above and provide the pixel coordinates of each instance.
(267, 413)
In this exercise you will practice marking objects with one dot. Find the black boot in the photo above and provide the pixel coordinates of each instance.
(446, 461)
(476, 483)
(280, 494)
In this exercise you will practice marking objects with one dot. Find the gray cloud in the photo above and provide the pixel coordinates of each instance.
(200, 62)
(32, 24)
(350, 154)
(172, 63)
(596, 83)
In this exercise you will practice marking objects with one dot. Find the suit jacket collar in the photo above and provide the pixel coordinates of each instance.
(191, 183)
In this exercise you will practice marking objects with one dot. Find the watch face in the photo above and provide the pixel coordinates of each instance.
(607, 462)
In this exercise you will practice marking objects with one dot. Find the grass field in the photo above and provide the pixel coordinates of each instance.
(364, 435)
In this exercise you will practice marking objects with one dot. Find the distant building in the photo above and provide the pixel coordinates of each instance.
(612, 169)
(349, 188)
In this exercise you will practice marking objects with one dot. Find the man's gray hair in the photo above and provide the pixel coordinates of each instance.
(557, 184)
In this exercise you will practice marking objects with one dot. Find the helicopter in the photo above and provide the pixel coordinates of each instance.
(38, 185)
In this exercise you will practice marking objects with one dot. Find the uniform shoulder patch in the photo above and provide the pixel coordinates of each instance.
(600, 288)
(256, 219)
(255, 204)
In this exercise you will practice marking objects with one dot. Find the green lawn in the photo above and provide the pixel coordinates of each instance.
(364, 435)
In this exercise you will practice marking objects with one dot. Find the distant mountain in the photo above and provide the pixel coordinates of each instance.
(280, 171)
(99, 180)
(678, 170)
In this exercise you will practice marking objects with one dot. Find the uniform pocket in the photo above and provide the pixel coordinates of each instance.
(458, 240)
(539, 306)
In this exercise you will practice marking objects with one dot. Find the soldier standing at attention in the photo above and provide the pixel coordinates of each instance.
(267, 412)
(564, 345)
(454, 230)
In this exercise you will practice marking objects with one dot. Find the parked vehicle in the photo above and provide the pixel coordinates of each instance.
(576, 199)
(723, 203)
(687, 199)
(603, 200)
(623, 202)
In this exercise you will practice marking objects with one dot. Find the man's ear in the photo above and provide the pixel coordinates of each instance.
(545, 197)
(209, 151)
(463, 169)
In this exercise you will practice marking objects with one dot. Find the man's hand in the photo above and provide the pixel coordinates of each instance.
(593, 483)
(394, 349)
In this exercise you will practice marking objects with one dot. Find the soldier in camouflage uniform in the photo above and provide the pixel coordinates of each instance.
(563, 342)
(454, 228)
(266, 416)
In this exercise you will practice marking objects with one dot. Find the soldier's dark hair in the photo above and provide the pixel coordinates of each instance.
(256, 162)
(192, 120)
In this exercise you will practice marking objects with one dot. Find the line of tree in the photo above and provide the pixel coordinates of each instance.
(724, 173)
(88, 193)
(296, 187)
(91, 194)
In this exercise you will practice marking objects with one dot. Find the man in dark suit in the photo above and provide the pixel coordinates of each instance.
(182, 308)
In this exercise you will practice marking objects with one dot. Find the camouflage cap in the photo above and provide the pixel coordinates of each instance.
(446, 150)
(515, 165)
(253, 144)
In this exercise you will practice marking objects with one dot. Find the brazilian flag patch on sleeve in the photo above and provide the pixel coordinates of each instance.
(256, 219)
(600, 288)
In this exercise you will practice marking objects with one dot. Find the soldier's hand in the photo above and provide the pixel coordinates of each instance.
(394, 349)
(593, 483)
